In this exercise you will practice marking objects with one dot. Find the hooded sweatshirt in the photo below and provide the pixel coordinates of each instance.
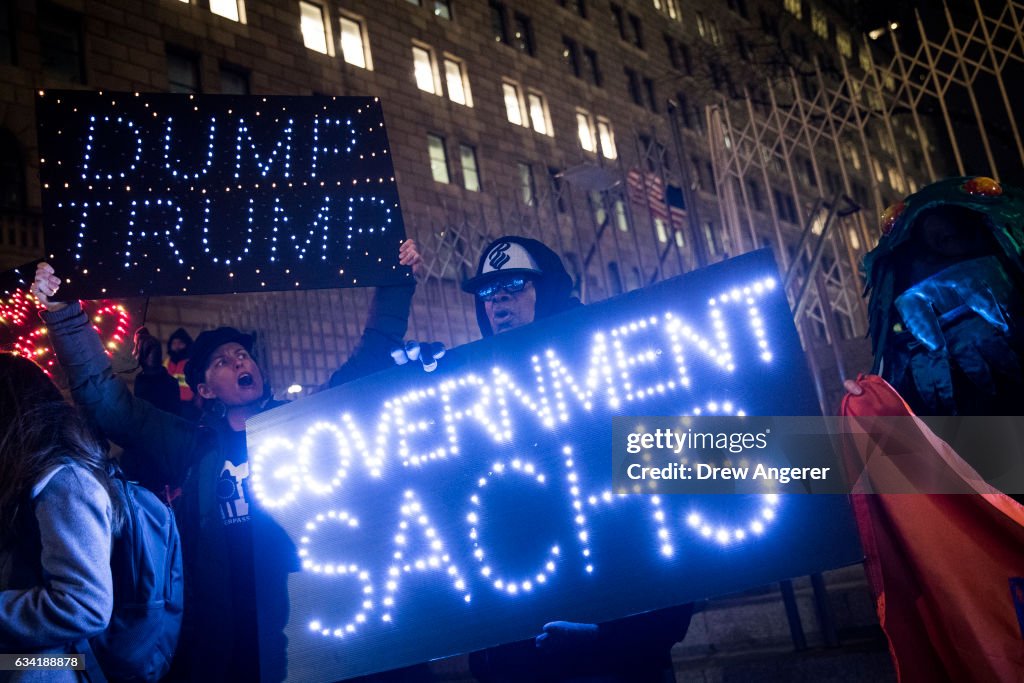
(553, 284)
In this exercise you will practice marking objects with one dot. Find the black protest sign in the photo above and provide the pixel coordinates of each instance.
(161, 194)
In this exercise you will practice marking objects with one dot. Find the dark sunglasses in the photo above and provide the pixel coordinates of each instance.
(512, 286)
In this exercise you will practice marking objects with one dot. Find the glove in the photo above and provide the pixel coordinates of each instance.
(427, 353)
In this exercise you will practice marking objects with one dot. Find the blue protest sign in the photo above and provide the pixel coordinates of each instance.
(442, 513)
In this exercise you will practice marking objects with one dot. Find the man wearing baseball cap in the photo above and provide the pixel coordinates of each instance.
(220, 526)
(518, 281)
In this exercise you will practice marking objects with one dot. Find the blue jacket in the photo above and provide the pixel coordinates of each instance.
(55, 581)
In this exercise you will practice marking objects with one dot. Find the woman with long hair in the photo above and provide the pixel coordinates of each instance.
(58, 514)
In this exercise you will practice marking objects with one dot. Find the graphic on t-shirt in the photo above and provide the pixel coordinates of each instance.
(233, 492)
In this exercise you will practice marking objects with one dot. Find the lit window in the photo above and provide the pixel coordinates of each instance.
(607, 138)
(877, 167)
(470, 173)
(586, 131)
(865, 59)
(513, 103)
(597, 206)
(443, 9)
(844, 44)
(527, 188)
(458, 84)
(669, 7)
(659, 228)
(895, 180)
(702, 30)
(438, 158)
(227, 8)
(355, 45)
(424, 68)
(539, 114)
(851, 152)
(794, 7)
(713, 32)
(314, 28)
(819, 24)
(853, 238)
(621, 220)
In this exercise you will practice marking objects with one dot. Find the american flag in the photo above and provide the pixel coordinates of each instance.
(647, 189)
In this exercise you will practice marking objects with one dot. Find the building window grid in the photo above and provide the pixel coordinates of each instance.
(425, 70)
(606, 138)
(514, 106)
(633, 83)
(182, 72)
(522, 34)
(527, 185)
(470, 169)
(229, 9)
(578, 7)
(355, 42)
(637, 30)
(844, 44)
(234, 81)
(669, 8)
(585, 130)
(672, 48)
(540, 117)
(443, 9)
(570, 55)
(438, 158)
(593, 67)
(819, 23)
(619, 20)
(652, 97)
(499, 26)
(714, 35)
(316, 30)
(60, 43)
(457, 81)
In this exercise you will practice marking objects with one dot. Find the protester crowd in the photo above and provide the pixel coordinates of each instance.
(946, 281)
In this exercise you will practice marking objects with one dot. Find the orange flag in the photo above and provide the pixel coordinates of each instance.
(945, 569)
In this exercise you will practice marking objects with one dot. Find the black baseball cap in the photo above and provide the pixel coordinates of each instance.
(203, 347)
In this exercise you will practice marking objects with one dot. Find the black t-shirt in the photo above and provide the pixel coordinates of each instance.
(234, 498)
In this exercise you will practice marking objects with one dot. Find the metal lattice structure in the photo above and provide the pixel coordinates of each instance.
(826, 145)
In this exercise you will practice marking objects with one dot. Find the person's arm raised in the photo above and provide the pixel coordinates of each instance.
(127, 421)
(386, 323)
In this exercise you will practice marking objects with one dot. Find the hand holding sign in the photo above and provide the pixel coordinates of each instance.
(45, 285)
